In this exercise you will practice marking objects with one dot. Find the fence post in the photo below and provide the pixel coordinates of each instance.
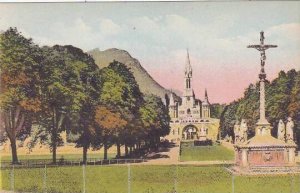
(12, 178)
(232, 183)
(176, 179)
(292, 182)
(45, 179)
(83, 177)
(129, 178)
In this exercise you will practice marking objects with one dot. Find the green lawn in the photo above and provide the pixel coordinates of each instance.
(58, 156)
(206, 153)
(147, 179)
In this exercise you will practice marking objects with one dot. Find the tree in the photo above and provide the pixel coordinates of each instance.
(88, 75)
(216, 110)
(120, 93)
(155, 119)
(19, 62)
(66, 87)
(108, 121)
(282, 101)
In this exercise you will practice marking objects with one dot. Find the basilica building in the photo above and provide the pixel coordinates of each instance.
(190, 117)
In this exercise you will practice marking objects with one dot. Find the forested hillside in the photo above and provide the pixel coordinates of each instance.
(282, 101)
(146, 83)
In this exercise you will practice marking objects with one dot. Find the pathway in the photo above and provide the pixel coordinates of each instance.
(166, 156)
(170, 156)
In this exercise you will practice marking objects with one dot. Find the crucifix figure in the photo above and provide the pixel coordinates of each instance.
(262, 76)
(261, 48)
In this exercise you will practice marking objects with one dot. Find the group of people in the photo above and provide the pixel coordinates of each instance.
(286, 132)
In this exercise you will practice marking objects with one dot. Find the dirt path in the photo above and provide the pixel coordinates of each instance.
(167, 156)
(170, 156)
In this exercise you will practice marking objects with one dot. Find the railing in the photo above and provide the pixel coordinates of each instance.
(76, 162)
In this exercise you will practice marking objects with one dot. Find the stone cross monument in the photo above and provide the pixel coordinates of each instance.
(263, 126)
(264, 153)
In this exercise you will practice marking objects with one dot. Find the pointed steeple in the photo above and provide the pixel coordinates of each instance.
(205, 98)
(188, 67)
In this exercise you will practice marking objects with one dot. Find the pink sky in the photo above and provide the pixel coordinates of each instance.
(224, 83)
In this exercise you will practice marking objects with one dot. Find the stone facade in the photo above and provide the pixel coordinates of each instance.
(190, 117)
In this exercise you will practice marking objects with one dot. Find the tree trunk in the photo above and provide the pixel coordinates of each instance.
(105, 151)
(126, 150)
(118, 150)
(84, 155)
(54, 152)
(53, 137)
(14, 152)
(13, 122)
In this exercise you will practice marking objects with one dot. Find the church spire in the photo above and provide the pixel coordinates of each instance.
(188, 67)
(206, 97)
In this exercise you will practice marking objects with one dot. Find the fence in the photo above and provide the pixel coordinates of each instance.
(69, 162)
(141, 178)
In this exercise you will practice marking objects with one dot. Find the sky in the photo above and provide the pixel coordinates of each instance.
(158, 34)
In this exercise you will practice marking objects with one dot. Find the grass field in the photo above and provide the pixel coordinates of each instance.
(58, 156)
(206, 153)
(146, 179)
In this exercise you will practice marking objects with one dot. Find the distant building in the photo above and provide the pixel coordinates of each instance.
(190, 117)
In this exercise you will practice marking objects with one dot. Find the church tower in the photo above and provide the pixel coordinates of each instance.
(188, 97)
(206, 107)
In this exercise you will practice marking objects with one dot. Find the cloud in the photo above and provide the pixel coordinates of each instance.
(108, 27)
(288, 30)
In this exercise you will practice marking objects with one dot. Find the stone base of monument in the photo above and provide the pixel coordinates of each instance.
(265, 154)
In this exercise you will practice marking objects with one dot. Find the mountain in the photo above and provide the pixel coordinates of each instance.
(147, 84)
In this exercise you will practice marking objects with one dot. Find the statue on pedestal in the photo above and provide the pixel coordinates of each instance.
(236, 130)
(281, 130)
(290, 130)
(243, 131)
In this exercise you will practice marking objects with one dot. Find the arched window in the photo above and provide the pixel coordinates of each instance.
(188, 111)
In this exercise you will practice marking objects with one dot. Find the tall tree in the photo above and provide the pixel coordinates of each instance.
(88, 76)
(155, 119)
(120, 92)
(19, 64)
(109, 121)
(64, 91)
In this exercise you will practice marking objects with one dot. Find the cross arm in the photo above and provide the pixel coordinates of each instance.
(270, 46)
(254, 46)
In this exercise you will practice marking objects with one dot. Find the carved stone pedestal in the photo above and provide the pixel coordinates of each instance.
(265, 152)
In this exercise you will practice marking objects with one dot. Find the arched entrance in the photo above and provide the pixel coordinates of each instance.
(190, 132)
